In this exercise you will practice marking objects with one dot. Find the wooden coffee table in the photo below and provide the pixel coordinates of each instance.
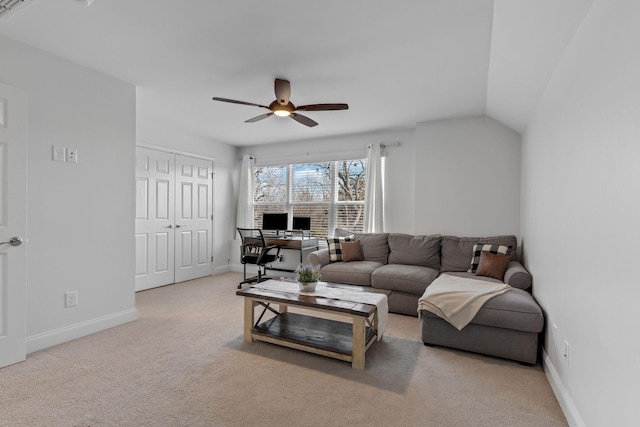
(346, 341)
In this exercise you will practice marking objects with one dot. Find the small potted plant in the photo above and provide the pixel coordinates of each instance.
(307, 276)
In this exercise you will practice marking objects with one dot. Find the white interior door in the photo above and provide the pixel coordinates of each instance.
(13, 224)
(155, 219)
(194, 220)
(174, 223)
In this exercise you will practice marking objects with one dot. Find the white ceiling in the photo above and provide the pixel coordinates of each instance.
(395, 63)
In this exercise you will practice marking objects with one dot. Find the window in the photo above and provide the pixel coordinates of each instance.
(330, 193)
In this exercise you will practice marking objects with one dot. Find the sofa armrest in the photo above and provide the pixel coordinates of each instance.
(517, 276)
(320, 257)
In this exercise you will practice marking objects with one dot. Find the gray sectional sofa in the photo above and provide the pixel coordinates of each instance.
(506, 326)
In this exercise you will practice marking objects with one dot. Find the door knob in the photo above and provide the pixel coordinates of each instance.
(14, 241)
(178, 225)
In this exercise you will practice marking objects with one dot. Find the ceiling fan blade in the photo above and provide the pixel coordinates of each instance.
(233, 101)
(323, 107)
(283, 91)
(304, 120)
(258, 118)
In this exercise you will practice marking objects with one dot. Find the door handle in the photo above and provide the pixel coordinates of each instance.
(14, 241)
(178, 225)
(170, 226)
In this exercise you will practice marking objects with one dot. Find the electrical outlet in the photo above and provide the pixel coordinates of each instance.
(554, 335)
(72, 155)
(566, 352)
(59, 153)
(71, 299)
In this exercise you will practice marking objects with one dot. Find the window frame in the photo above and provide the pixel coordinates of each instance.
(332, 206)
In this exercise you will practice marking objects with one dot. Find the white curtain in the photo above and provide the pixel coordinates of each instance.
(374, 193)
(245, 194)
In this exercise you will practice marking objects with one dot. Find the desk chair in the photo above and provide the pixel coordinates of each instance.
(254, 250)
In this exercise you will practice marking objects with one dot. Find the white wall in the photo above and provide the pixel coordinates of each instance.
(79, 219)
(580, 217)
(467, 178)
(226, 173)
(457, 176)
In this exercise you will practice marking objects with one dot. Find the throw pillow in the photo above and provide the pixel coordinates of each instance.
(351, 251)
(341, 232)
(335, 247)
(493, 265)
(480, 247)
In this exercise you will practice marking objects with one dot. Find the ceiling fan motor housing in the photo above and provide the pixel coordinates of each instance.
(282, 110)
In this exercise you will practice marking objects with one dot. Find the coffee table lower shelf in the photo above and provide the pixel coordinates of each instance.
(311, 334)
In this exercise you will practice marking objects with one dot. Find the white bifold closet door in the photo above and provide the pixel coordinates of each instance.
(174, 221)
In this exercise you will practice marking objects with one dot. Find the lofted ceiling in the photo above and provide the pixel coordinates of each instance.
(396, 63)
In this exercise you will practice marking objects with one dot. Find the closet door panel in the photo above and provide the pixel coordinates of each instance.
(186, 201)
(185, 249)
(163, 261)
(193, 179)
(164, 205)
(203, 242)
(154, 218)
(142, 246)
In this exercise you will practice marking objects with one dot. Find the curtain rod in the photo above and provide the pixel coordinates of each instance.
(308, 153)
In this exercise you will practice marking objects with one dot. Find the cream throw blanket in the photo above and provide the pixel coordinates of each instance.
(458, 299)
(379, 300)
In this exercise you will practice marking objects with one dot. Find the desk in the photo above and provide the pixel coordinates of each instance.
(292, 243)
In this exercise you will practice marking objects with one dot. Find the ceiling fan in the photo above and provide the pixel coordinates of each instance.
(283, 107)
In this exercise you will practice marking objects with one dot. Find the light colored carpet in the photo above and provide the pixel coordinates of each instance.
(184, 363)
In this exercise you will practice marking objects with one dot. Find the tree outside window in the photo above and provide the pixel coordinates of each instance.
(330, 193)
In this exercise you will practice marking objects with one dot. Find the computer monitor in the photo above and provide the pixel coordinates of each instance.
(302, 223)
(275, 221)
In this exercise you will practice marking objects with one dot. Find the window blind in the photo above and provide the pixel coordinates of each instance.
(330, 193)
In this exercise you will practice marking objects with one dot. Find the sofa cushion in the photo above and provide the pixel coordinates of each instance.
(456, 252)
(515, 309)
(517, 276)
(335, 247)
(352, 251)
(479, 249)
(412, 279)
(492, 265)
(341, 232)
(414, 250)
(352, 273)
(474, 277)
(375, 246)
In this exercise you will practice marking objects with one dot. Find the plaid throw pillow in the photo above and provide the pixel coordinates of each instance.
(335, 247)
(479, 248)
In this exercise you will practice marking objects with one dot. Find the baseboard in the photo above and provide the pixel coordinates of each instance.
(220, 270)
(238, 268)
(68, 333)
(564, 399)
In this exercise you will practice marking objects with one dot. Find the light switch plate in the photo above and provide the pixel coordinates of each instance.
(59, 154)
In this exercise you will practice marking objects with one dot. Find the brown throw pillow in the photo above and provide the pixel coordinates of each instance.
(351, 251)
(492, 265)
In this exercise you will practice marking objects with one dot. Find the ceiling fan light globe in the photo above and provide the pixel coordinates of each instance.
(282, 113)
